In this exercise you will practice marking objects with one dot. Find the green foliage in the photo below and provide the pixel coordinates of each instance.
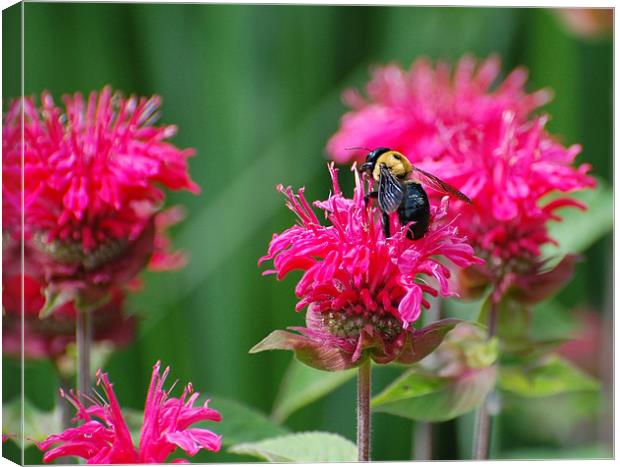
(301, 447)
(594, 451)
(303, 385)
(240, 423)
(38, 424)
(581, 229)
(423, 396)
(553, 375)
(567, 417)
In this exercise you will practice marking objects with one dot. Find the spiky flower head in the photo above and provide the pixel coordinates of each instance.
(104, 437)
(481, 139)
(362, 292)
(93, 177)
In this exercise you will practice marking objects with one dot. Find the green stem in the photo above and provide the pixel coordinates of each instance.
(363, 411)
(423, 441)
(422, 432)
(484, 421)
(83, 339)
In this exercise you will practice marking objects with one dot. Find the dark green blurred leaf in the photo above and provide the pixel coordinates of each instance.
(532, 348)
(512, 318)
(580, 229)
(594, 451)
(240, 423)
(567, 417)
(303, 385)
(553, 375)
(468, 310)
(38, 424)
(301, 447)
(425, 397)
(552, 320)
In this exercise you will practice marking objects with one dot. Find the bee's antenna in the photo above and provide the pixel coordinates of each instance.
(354, 148)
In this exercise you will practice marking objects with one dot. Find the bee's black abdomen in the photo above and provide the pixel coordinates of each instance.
(415, 207)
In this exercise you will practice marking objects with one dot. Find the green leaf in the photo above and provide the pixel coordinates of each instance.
(529, 348)
(241, 423)
(303, 385)
(423, 396)
(594, 451)
(548, 377)
(552, 319)
(468, 310)
(312, 446)
(38, 424)
(580, 229)
(512, 318)
(313, 353)
(54, 299)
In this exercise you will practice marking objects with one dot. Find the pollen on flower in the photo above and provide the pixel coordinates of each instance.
(342, 324)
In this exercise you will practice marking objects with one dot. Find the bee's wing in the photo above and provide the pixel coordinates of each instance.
(439, 185)
(391, 192)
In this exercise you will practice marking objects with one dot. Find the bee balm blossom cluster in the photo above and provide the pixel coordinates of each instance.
(363, 291)
(93, 173)
(104, 437)
(482, 140)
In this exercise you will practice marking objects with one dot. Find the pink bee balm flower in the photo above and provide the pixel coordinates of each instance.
(481, 141)
(417, 112)
(104, 438)
(363, 291)
(94, 172)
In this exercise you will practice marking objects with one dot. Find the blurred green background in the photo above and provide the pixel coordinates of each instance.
(256, 90)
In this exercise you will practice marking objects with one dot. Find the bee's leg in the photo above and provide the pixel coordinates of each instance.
(372, 194)
(386, 225)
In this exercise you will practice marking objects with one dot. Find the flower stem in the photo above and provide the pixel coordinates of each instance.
(422, 433)
(482, 434)
(423, 441)
(83, 339)
(363, 411)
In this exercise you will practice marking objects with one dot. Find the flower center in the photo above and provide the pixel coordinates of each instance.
(73, 252)
(341, 324)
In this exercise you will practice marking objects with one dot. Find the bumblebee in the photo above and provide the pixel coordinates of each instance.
(398, 192)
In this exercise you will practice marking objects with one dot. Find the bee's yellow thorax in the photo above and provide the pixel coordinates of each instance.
(396, 162)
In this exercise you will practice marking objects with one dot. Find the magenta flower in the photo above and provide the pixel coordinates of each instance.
(418, 112)
(93, 177)
(104, 437)
(481, 141)
(363, 292)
